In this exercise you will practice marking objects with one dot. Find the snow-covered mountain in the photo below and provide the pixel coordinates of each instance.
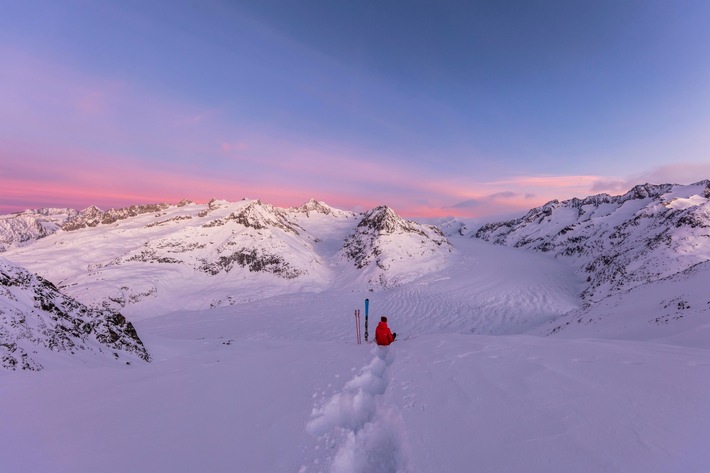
(624, 244)
(189, 255)
(650, 233)
(24, 228)
(675, 307)
(392, 251)
(37, 322)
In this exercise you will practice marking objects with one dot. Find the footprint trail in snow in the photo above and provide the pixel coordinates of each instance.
(360, 431)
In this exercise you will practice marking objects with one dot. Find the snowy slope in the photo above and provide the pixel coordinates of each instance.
(282, 386)
(677, 307)
(648, 234)
(644, 256)
(38, 324)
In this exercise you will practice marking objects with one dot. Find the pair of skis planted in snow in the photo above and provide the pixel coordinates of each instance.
(357, 322)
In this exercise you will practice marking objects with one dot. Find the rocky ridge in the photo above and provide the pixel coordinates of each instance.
(36, 319)
(93, 216)
(24, 228)
(620, 242)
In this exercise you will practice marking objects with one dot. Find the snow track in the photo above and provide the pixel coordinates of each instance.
(365, 433)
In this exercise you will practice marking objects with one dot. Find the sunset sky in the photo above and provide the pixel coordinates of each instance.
(435, 108)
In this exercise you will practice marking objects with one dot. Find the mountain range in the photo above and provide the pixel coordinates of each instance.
(166, 257)
(630, 249)
(575, 338)
(649, 246)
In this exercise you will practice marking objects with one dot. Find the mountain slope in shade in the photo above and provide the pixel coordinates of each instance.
(37, 322)
(644, 255)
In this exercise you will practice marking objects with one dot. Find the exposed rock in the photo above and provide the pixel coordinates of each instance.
(93, 216)
(646, 234)
(385, 241)
(258, 216)
(255, 261)
(35, 318)
(23, 228)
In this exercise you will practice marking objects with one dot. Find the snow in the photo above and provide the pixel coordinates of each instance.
(23, 228)
(279, 384)
(444, 403)
(692, 201)
(529, 404)
(498, 366)
(188, 256)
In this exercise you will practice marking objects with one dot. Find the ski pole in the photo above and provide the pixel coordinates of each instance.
(357, 326)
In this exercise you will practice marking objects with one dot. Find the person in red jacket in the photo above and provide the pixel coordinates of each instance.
(383, 335)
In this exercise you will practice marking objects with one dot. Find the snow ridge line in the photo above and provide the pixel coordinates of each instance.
(369, 435)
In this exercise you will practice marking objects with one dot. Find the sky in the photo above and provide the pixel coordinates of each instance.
(434, 108)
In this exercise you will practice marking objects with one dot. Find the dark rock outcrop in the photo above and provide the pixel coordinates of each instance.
(36, 319)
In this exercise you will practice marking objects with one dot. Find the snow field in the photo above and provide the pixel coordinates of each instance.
(216, 399)
(528, 404)
(202, 405)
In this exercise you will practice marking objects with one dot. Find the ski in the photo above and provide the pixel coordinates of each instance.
(367, 306)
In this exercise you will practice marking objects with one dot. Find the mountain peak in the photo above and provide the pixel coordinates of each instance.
(260, 216)
(25, 227)
(385, 220)
(314, 205)
(392, 250)
(644, 191)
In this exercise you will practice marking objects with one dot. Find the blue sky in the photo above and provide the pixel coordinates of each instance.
(434, 108)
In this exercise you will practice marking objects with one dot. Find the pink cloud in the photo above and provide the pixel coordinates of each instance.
(70, 139)
(78, 178)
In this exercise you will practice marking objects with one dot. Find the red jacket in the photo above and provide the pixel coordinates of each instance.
(383, 335)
